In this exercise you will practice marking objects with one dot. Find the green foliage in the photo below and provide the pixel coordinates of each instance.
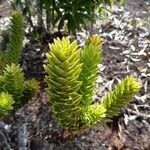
(76, 13)
(6, 102)
(73, 14)
(16, 35)
(90, 57)
(71, 79)
(31, 89)
(13, 82)
(120, 96)
(63, 70)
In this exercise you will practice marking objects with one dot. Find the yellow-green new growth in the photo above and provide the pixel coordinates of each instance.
(92, 114)
(6, 102)
(63, 70)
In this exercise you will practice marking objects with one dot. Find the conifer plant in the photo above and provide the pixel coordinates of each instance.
(71, 76)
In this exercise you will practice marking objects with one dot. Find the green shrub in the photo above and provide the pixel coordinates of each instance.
(71, 77)
(6, 102)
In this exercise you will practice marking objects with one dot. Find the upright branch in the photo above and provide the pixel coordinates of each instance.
(90, 57)
(63, 70)
(16, 36)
